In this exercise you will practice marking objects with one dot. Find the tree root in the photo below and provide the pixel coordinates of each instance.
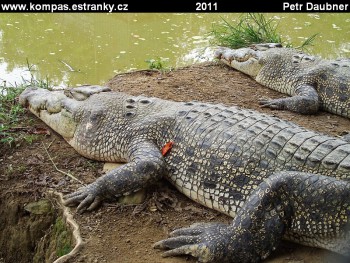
(68, 218)
(58, 170)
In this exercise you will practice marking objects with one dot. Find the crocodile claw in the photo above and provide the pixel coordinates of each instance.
(203, 241)
(276, 104)
(87, 197)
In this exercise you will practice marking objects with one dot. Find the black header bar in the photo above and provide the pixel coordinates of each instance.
(190, 6)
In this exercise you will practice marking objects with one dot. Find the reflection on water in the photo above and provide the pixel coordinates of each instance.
(73, 49)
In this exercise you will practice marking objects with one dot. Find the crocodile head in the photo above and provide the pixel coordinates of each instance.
(58, 108)
(247, 60)
(93, 121)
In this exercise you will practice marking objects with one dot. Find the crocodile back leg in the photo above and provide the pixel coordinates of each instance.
(303, 207)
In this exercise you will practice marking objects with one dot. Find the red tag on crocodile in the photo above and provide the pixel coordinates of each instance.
(167, 147)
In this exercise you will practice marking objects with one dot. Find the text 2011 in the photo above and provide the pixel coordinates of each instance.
(203, 6)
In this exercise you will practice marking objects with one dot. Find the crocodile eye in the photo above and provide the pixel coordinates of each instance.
(182, 113)
(130, 100)
(145, 101)
(129, 114)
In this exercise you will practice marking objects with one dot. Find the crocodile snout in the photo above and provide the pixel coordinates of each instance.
(42, 99)
(51, 107)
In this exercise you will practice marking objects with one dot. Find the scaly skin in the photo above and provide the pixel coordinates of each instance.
(314, 83)
(276, 179)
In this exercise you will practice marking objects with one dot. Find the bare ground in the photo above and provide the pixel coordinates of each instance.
(116, 233)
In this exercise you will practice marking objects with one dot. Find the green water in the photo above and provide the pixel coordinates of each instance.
(71, 49)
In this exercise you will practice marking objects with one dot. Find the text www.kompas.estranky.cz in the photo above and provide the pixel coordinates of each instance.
(33, 7)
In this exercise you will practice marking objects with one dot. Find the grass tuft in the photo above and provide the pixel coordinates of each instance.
(252, 28)
(12, 113)
(158, 64)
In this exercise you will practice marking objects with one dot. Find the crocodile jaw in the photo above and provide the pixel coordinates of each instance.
(245, 60)
(49, 106)
(61, 122)
(251, 66)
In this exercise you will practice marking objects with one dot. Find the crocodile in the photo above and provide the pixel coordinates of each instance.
(312, 82)
(277, 180)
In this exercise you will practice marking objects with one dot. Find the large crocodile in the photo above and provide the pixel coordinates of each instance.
(314, 83)
(276, 179)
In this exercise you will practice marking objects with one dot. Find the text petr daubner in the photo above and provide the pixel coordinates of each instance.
(309, 6)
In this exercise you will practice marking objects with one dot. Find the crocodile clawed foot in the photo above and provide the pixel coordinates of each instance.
(207, 242)
(84, 92)
(87, 197)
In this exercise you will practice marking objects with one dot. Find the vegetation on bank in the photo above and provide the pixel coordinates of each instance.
(252, 28)
(12, 113)
(158, 64)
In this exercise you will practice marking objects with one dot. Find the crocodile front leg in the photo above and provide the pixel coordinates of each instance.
(145, 166)
(288, 204)
(305, 101)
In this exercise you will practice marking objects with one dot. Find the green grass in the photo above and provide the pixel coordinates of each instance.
(252, 28)
(30, 138)
(12, 113)
(63, 238)
(10, 170)
(157, 64)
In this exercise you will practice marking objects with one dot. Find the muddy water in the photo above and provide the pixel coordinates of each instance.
(72, 49)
